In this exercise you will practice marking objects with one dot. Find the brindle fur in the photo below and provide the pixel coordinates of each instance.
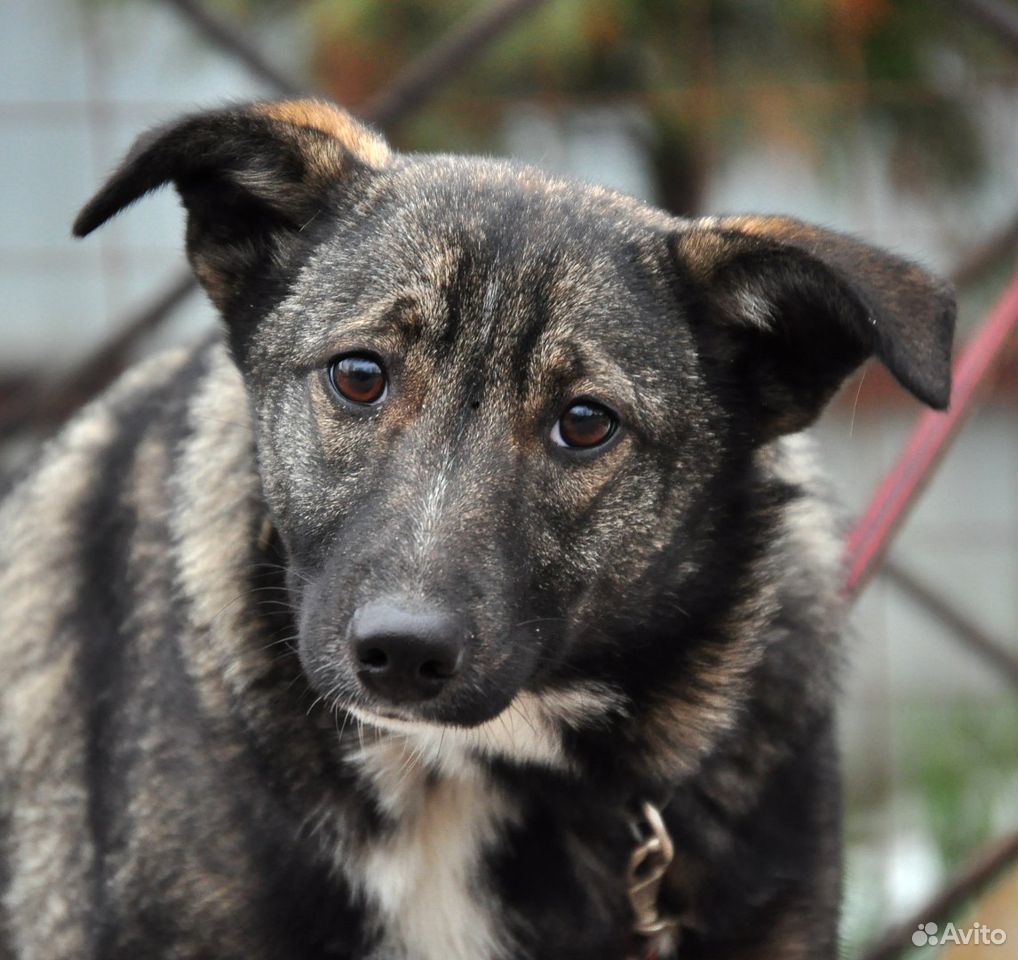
(189, 768)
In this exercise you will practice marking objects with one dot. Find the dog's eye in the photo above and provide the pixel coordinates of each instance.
(358, 378)
(585, 424)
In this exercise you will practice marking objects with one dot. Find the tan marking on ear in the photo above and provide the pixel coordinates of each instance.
(778, 228)
(363, 143)
(854, 257)
(703, 248)
(707, 245)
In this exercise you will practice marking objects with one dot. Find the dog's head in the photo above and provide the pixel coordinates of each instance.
(506, 424)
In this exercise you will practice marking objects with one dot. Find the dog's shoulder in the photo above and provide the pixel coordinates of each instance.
(100, 498)
(143, 505)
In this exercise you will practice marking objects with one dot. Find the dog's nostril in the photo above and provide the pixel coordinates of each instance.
(374, 658)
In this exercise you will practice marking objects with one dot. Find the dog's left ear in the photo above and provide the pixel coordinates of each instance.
(788, 310)
(251, 177)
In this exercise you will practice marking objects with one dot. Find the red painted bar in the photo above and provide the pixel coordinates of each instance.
(929, 441)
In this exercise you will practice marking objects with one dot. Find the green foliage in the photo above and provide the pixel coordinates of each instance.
(955, 787)
(963, 760)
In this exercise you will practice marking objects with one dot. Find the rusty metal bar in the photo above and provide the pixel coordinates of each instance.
(930, 439)
(987, 864)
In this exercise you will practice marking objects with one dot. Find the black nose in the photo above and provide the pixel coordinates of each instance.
(406, 655)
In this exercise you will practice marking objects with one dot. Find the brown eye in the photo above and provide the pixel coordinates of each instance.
(358, 378)
(585, 424)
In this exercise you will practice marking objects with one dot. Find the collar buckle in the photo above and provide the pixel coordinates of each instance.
(648, 865)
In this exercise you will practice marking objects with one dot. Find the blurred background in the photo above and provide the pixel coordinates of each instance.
(892, 119)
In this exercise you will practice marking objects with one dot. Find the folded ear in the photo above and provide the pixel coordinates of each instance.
(251, 177)
(789, 310)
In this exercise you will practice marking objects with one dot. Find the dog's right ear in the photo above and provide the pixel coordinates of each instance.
(250, 177)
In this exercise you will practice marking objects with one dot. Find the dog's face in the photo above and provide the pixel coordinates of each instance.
(499, 416)
(461, 441)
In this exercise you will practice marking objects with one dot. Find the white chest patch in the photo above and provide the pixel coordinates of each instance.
(424, 881)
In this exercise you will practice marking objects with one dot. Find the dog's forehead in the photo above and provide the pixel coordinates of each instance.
(453, 233)
(515, 211)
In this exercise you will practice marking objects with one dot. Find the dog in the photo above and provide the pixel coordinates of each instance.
(473, 597)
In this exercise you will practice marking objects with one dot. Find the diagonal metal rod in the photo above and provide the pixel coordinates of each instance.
(987, 864)
(988, 254)
(996, 17)
(230, 41)
(45, 405)
(962, 627)
(420, 80)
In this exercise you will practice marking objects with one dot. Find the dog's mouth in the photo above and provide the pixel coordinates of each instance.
(531, 729)
(463, 706)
